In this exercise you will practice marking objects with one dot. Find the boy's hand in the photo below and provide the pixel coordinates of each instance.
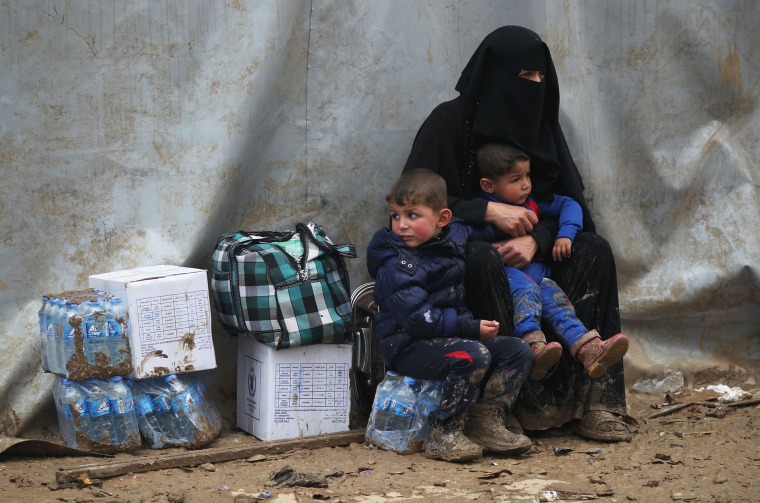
(488, 330)
(563, 248)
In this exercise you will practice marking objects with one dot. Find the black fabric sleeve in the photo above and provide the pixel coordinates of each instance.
(545, 232)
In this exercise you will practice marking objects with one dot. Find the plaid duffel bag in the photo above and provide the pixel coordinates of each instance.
(284, 288)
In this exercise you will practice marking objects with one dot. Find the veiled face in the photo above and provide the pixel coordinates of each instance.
(534, 75)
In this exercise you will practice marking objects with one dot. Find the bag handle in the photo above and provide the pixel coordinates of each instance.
(262, 236)
(314, 233)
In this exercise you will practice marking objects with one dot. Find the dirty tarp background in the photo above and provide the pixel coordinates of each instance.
(136, 133)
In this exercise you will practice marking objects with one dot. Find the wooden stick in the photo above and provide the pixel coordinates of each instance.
(211, 455)
(713, 405)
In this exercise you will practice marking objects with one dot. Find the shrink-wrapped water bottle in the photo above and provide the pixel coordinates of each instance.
(402, 406)
(116, 317)
(126, 434)
(94, 331)
(396, 425)
(185, 407)
(67, 327)
(428, 400)
(45, 343)
(381, 406)
(55, 331)
(166, 418)
(208, 408)
(99, 429)
(73, 417)
(146, 418)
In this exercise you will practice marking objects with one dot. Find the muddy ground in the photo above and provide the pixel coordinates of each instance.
(702, 453)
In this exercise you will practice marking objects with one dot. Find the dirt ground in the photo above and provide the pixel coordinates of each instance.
(702, 452)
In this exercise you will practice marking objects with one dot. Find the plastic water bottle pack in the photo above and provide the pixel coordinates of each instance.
(398, 421)
(96, 415)
(175, 411)
(84, 334)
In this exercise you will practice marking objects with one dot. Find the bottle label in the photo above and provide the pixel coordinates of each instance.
(98, 407)
(68, 333)
(92, 329)
(79, 407)
(183, 401)
(114, 328)
(401, 409)
(162, 404)
(119, 406)
(143, 405)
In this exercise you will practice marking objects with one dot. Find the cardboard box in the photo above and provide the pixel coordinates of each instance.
(169, 317)
(294, 392)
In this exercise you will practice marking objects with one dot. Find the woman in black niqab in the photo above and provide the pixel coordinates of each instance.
(496, 104)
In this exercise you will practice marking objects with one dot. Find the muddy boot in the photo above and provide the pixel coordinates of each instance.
(448, 443)
(545, 355)
(597, 355)
(486, 426)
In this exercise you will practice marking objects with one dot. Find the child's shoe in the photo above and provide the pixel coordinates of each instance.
(448, 443)
(545, 355)
(597, 355)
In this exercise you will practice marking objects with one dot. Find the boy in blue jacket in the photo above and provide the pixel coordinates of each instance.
(426, 332)
(505, 173)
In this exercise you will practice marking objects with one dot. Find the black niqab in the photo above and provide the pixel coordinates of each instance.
(510, 109)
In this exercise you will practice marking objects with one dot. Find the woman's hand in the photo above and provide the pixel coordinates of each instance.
(517, 252)
(514, 220)
(488, 330)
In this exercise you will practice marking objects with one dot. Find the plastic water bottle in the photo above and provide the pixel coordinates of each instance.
(55, 331)
(74, 411)
(383, 397)
(402, 406)
(94, 333)
(99, 429)
(146, 418)
(184, 406)
(67, 349)
(167, 421)
(116, 317)
(64, 426)
(428, 400)
(123, 419)
(45, 343)
(208, 408)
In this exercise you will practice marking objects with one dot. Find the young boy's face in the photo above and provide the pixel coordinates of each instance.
(513, 187)
(416, 223)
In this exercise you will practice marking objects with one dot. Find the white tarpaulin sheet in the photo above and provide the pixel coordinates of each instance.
(136, 133)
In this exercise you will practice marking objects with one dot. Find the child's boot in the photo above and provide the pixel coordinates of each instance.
(545, 355)
(448, 443)
(486, 426)
(597, 355)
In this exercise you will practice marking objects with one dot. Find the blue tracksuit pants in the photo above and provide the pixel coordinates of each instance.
(545, 300)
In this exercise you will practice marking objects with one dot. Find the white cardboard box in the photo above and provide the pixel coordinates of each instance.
(169, 317)
(294, 392)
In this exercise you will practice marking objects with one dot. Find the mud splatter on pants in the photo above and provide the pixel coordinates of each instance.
(546, 301)
(497, 369)
(589, 279)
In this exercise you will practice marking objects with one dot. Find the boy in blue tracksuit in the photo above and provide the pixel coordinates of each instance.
(426, 332)
(505, 173)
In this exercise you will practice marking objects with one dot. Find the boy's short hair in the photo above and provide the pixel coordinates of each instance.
(497, 159)
(419, 186)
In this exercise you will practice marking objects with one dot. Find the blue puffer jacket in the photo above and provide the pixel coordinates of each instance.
(420, 291)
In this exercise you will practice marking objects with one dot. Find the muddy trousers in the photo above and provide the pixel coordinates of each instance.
(496, 370)
(590, 281)
(546, 301)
